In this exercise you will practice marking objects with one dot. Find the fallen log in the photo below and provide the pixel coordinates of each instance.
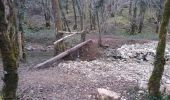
(66, 32)
(59, 45)
(64, 38)
(57, 58)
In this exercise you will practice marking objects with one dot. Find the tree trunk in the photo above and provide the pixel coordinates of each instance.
(58, 23)
(141, 16)
(100, 37)
(75, 16)
(90, 17)
(8, 49)
(65, 22)
(20, 4)
(130, 8)
(94, 21)
(47, 16)
(154, 81)
(81, 15)
(133, 21)
(67, 4)
(57, 16)
(159, 14)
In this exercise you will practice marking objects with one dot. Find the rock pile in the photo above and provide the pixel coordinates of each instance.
(144, 52)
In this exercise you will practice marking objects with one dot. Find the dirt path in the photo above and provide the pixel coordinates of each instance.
(69, 82)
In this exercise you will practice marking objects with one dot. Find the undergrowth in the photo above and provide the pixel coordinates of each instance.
(134, 94)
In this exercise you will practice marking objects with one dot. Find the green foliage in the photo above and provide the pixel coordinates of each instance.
(121, 20)
(133, 94)
(144, 35)
(41, 35)
(163, 97)
(35, 29)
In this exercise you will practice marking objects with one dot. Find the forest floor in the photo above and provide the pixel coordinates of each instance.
(79, 80)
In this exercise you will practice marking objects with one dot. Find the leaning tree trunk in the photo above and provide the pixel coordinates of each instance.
(8, 49)
(154, 81)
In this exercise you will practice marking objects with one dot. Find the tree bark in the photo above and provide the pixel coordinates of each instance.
(67, 4)
(133, 21)
(75, 16)
(159, 14)
(58, 24)
(60, 56)
(47, 16)
(130, 8)
(141, 16)
(81, 15)
(63, 17)
(20, 4)
(100, 37)
(154, 81)
(57, 17)
(8, 49)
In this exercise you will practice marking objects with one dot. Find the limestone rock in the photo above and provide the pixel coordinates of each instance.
(143, 84)
(167, 89)
(145, 52)
(30, 48)
(104, 94)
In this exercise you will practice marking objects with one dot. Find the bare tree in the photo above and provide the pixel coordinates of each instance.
(46, 9)
(75, 15)
(141, 15)
(154, 81)
(57, 17)
(130, 7)
(9, 49)
(58, 24)
(20, 5)
(133, 19)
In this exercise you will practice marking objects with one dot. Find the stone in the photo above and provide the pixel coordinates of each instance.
(149, 57)
(146, 51)
(143, 84)
(30, 48)
(141, 92)
(167, 56)
(104, 94)
(167, 89)
(167, 82)
(162, 89)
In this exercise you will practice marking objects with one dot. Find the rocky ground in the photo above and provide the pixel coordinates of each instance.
(79, 80)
